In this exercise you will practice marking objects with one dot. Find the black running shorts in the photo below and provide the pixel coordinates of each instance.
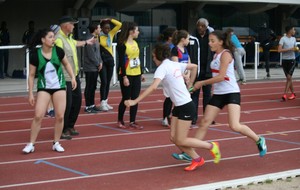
(221, 100)
(288, 66)
(185, 112)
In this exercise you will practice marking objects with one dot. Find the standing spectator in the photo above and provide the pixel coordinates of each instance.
(205, 56)
(226, 91)
(179, 53)
(166, 37)
(28, 33)
(266, 37)
(287, 46)
(64, 39)
(171, 75)
(106, 39)
(130, 71)
(47, 62)
(4, 41)
(239, 52)
(92, 65)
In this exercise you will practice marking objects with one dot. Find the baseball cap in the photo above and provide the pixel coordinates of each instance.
(55, 28)
(67, 18)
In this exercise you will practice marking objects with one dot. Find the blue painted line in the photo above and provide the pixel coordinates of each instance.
(61, 167)
(113, 128)
(272, 139)
(225, 131)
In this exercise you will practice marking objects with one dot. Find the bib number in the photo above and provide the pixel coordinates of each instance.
(134, 62)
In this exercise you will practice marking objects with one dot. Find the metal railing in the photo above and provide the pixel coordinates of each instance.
(115, 77)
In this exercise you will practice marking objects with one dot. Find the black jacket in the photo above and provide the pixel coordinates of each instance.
(194, 49)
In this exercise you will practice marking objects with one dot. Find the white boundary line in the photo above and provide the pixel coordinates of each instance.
(135, 170)
(128, 149)
(244, 181)
(134, 133)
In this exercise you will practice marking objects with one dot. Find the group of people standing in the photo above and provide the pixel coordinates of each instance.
(185, 65)
(55, 63)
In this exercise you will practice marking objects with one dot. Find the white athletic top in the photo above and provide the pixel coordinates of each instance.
(229, 85)
(170, 73)
(288, 42)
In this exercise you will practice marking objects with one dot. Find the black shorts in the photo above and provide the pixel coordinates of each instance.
(185, 112)
(224, 99)
(51, 91)
(288, 66)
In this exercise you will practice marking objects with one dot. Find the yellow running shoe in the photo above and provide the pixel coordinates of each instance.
(215, 152)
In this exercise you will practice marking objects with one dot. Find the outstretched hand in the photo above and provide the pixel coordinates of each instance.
(129, 103)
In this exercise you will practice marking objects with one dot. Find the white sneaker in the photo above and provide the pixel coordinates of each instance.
(108, 106)
(57, 147)
(28, 148)
(103, 106)
(165, 122)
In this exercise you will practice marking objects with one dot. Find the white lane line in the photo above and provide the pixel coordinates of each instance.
(154, 119)
(136, 170)
(159, 109)
(124, 150)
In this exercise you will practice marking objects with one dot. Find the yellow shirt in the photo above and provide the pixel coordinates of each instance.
(69, 48)
(132, 61)
(112, 33)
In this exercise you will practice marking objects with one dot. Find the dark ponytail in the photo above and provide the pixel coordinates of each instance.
(178, 35)
(226, 38)
(37, 38)
(125, 29)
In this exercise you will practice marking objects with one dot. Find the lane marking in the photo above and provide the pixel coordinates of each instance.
(273, 139)
(121, 150)
(60, 167)
(113, 128)
(136, 170)
(133, 133)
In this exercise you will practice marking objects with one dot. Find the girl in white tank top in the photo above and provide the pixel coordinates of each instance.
(226, 91)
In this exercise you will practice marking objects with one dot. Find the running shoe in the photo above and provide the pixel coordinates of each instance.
(134, 125)
(50, 113)
(121, 125)
(292, 96)
(90, 110)
(182, 156)
(28, 148)
(57, 147)
(284, 98)
(262, 146)
(165, 122)
(215, 152)
(73, 132)
(194, 165)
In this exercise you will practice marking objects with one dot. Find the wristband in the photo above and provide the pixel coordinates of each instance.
(191, 89)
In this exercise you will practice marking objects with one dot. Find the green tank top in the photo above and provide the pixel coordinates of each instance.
(50, 73)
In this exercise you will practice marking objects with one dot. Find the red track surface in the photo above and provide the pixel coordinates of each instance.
(105, 157)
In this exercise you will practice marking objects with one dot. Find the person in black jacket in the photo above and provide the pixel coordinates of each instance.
(201, 54)
(4, 54)
(267, 38)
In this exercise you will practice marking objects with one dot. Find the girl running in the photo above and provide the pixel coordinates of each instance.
(169, 73)
(226, 91)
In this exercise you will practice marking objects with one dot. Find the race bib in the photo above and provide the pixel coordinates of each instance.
(134, 62)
